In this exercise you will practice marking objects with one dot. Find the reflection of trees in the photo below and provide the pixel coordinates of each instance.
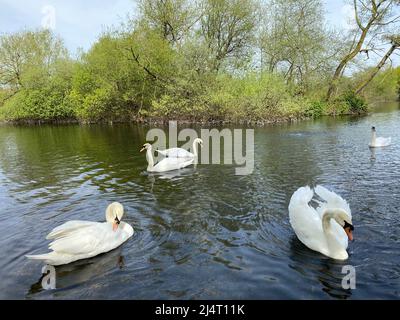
(66, 156)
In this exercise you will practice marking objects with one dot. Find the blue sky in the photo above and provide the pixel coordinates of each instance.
(79, 22)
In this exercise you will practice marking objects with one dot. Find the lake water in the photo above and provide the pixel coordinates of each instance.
(202, 233)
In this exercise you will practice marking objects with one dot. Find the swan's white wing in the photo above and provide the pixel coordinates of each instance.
(383, 142)
(67, 228)
(163, 152)
(305, 221)
(332, 201)
(84, 240)
(176, 153)
(169, 164)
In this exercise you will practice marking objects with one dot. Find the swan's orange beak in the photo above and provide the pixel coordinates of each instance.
(116, 224)
(349, 233)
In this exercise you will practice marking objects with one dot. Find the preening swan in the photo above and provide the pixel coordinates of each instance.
(167, 164)
(182, 153)
(76, 240)
(325, 229)
(379, 142)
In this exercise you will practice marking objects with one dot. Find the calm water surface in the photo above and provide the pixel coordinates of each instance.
(201, 233)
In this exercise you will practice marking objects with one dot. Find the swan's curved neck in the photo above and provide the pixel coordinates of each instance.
(373, 139)
(150, 160)
(195, 149)
(326, 220)
(332, 238)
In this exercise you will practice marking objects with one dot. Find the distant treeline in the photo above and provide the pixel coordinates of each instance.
(207, 60)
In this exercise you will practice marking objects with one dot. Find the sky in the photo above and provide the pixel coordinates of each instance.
(80, 23)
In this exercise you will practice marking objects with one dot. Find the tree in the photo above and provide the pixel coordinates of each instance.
(28, 57)
(373, 18)
(294, 40)
(227, 27)
(172, 19)
(395, 44)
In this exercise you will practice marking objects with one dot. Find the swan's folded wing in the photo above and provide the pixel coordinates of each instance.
(163, 152)
(77, 241)
(67, 228)
(301, 214)
(383, 141)
(176, 153)
(332, 200)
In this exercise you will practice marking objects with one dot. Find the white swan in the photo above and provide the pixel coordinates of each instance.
(76, 240)
(326, 229)
(182, 153)
(167, 164)
(379, 142)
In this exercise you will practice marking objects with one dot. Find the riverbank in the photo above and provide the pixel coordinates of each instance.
(347, 105)
(164, 121)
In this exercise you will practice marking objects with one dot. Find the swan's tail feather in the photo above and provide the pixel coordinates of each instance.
(50, 258)
(42, 257)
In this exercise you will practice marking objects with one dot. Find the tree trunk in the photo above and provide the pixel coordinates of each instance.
(345, 61)
(350, 56)
(376, 69)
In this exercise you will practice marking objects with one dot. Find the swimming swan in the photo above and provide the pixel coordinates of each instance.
(379, 142)
(182, 153)
(167, 164)
(326, 229)
(76, 240)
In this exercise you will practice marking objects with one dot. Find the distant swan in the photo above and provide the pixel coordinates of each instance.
(76, 240)
(167, 164)
(379, 142)
(326, 229)
(182, 153)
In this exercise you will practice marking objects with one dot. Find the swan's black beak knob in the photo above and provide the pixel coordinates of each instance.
(348, 228)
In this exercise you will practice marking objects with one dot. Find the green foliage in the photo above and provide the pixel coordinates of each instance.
(384, 86)
(315, 109)
(248, 99)
(46, 103)
(173, 62)
(355, 103)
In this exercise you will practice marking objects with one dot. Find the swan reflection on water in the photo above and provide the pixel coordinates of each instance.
(316, 266)
(83, 270)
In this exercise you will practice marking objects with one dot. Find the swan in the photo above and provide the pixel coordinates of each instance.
(167, 164)
(76, 240)
(182, 153)
(379, 142)
(326, 229)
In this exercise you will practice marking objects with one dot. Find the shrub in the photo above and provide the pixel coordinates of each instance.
(47, 103)
(315, 109)
(355, 103)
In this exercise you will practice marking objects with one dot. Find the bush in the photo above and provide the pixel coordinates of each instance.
(315, 109)
(354, 103)
(47, 103)
(256, 97)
